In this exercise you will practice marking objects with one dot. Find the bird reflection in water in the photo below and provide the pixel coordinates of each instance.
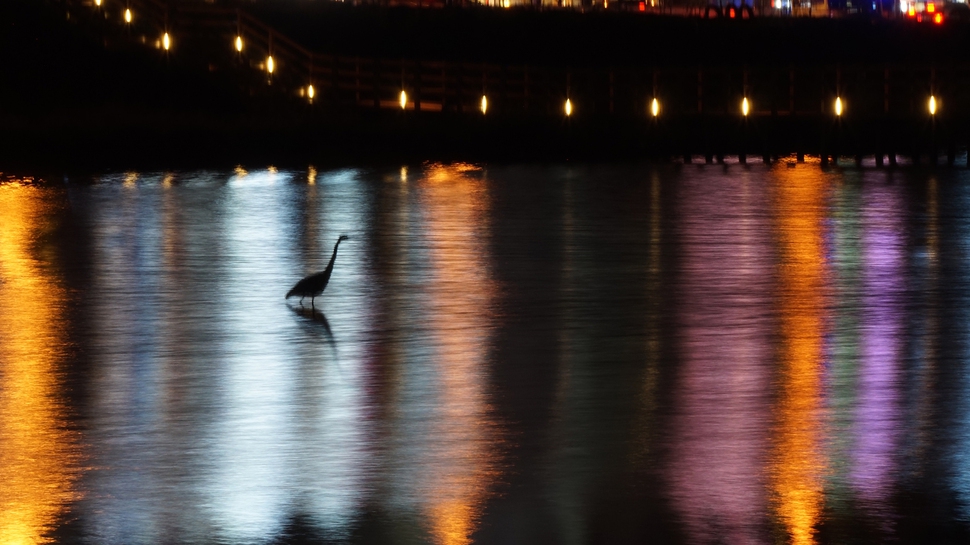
(317, 317)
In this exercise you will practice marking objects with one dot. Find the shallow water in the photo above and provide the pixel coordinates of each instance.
(504, 354)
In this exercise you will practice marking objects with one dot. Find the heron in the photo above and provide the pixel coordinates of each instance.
(313, 285)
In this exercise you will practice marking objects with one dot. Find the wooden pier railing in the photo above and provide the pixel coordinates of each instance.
(875, 98)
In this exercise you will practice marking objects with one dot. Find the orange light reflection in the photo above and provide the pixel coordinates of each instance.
(797, 462)
(38, 457)
(461, 294)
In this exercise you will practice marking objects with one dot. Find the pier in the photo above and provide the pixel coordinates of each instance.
(676, 105)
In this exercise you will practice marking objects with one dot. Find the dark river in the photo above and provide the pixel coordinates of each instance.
(504, 354)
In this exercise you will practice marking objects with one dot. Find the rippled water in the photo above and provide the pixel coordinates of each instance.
(505, 354)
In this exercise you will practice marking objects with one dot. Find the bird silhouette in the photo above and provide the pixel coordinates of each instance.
(313, 285)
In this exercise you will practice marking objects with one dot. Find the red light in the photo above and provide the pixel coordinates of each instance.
(643, 6)
(930, 8)
(731, 12)
(938, 18)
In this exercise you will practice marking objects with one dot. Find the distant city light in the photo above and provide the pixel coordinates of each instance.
(838, 106)
(484, 104)
(938, 18)
(404, 100)
(655, 107)
(166, 41)
(507, 3)
(745, 107)
(239, 44)
(931, 8)
(569, 107)
(270, 64)
(127, 15)
(932, 105)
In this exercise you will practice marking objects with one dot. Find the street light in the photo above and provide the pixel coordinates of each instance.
(166, 41)
(404, 100)
(127, 15)
(745, 107)
(484, 104)
(932, 105)
(270, 64)
(239, 44)
(569, 108)
(310, 92)
(838, 106)
(655, 108)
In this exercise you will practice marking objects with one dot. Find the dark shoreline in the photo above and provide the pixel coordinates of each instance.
(89, 99)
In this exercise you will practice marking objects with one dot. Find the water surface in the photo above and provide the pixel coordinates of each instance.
(505, 354)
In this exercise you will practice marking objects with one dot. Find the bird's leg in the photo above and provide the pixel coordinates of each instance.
(311, 303)
(301, 301)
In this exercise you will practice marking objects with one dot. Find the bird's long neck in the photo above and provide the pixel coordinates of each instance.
(333, 257)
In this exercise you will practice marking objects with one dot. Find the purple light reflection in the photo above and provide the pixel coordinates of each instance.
(720, 442)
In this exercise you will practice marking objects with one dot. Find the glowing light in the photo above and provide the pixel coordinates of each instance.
(127, 15)
(838, 105)
(310, 92)
(938, 18)
(932, 105)
(404, 100)
(484, 104)
(506, 3)
(655, 107)
(777, 4)
(166, 41)
(606, 4)
(97, 3)
(239, 44)
(745, 107)
(270, 64)
(931, 8)
(904, 6)
(643, 6)
(569, 107)
(911, 12)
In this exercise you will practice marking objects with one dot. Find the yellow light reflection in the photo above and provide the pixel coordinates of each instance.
(797, 461)
(311, 177)
(38, 457)
(461, 294)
